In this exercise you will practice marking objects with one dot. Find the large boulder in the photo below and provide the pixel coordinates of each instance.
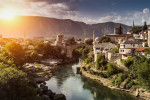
(59, 97)
(137, 93)
(43, 88)
(49, 93)
(123, 85)
(45, 97)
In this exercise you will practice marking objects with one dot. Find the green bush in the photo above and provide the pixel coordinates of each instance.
(88, 60)
(128, 62)
(130, 84)
(121, 77)
(112, 69)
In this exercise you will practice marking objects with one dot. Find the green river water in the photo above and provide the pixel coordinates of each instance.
(77, 87)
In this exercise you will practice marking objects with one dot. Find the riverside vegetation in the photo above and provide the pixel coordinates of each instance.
(137, 76)
(16, 83)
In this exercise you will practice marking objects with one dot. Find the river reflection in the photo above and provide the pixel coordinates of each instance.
(76, 87)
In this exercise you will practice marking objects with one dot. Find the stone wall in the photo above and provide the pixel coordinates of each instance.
(113, 56)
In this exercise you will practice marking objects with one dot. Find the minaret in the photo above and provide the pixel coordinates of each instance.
(148, 37)
(93, 37)
(133, 24)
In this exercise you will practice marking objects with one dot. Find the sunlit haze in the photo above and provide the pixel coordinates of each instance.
(7, 14)
(88, 11)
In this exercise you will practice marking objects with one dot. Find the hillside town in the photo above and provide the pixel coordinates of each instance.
(130, 44)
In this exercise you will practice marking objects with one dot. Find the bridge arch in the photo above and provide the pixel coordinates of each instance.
(69, 49)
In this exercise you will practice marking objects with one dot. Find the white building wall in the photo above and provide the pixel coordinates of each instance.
(130, 45)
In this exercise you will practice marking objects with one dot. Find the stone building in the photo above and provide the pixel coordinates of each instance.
(101, 48)
(120, 38)
(117, 37)
(127, 48)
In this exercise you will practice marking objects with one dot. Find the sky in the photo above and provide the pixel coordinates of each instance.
(88, 11)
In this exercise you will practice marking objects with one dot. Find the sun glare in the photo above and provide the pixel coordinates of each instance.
(7, 14)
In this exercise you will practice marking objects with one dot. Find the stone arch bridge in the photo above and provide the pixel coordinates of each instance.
(70, 48)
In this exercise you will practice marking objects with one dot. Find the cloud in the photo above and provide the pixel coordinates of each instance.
(69, 9)
(146, 10)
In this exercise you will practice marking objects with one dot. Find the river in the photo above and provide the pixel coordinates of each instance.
(77, 87)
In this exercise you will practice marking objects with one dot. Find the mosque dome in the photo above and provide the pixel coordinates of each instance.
(97, 39)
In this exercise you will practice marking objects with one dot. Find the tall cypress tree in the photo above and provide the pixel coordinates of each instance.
(145, 27)
(120, 30)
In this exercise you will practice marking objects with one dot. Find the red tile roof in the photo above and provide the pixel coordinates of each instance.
(141, 48)
(130, 31)
(144, 34)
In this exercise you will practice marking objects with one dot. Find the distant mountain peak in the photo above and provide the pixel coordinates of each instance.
(36, 26)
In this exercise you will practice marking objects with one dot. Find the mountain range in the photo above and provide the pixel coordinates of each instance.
(35, 26)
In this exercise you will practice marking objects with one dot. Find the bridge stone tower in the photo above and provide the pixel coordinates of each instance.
(59, 40)
(148, 37)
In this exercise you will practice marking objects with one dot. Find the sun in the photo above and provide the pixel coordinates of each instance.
(7, 14)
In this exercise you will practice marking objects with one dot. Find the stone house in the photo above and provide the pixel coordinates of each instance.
(102, 48)
(127, 48)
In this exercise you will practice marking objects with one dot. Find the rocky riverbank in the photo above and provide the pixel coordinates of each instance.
(41, 73)
(140, 93)
(47, 94)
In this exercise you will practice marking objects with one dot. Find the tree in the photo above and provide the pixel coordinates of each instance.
(100, 62)
(136, 30)
(120, 30)
(145, 26)
(31, 55)
(112, 69)
(15, 52)
(71, 41)
(116, 50)
(146, 44)
(89, 42)
(15, 85)
(105, 39)
(143, 73)
(128, 62)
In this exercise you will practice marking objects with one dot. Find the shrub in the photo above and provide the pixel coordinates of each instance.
(128, 62)
(89, 60)
(130, 84)
(112, 69)
(121, 77)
